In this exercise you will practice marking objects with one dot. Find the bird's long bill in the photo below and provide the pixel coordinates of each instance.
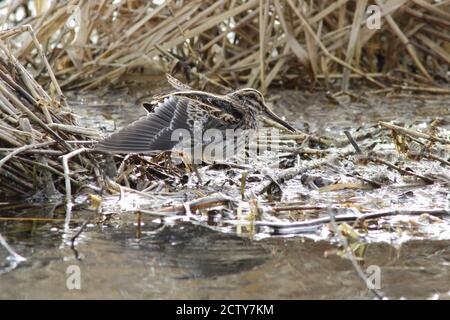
(269, 113)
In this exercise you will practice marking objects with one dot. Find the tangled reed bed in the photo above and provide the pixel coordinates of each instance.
(256, 43)
(37, 129)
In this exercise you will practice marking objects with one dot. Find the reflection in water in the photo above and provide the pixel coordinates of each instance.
(199, 252)
(184, 261)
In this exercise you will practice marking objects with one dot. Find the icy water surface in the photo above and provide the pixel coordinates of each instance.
(188, 260)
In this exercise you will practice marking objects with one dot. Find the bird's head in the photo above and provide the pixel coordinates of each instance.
(253, 99)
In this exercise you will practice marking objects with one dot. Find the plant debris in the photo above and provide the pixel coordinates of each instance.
(227, 44)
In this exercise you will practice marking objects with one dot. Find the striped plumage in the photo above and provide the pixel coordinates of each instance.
(186, 109)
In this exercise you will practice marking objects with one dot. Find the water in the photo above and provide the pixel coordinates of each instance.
(193, 260)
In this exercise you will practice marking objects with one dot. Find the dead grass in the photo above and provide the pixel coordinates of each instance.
(231, 43)
(71, 44)
(36, 129)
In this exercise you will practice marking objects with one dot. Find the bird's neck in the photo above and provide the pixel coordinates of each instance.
(249, 119)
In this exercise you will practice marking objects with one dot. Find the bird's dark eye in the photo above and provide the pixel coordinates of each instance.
(254, 96)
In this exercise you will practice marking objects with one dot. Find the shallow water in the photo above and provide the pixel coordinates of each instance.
(195, 261)
(191, 262)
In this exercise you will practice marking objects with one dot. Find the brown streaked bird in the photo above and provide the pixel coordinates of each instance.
(180, 110)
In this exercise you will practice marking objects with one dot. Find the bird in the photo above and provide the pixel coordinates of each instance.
(188, 110)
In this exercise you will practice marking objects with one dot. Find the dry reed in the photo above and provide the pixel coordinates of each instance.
(36, 129)
(231, 43)
(61, 45)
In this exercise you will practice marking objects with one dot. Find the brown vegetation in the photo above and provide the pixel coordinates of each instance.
(255, 43)
(55, 46)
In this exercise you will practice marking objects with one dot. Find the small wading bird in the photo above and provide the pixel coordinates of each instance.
(187, 109)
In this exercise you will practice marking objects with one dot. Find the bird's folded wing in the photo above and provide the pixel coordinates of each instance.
(151, 133)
